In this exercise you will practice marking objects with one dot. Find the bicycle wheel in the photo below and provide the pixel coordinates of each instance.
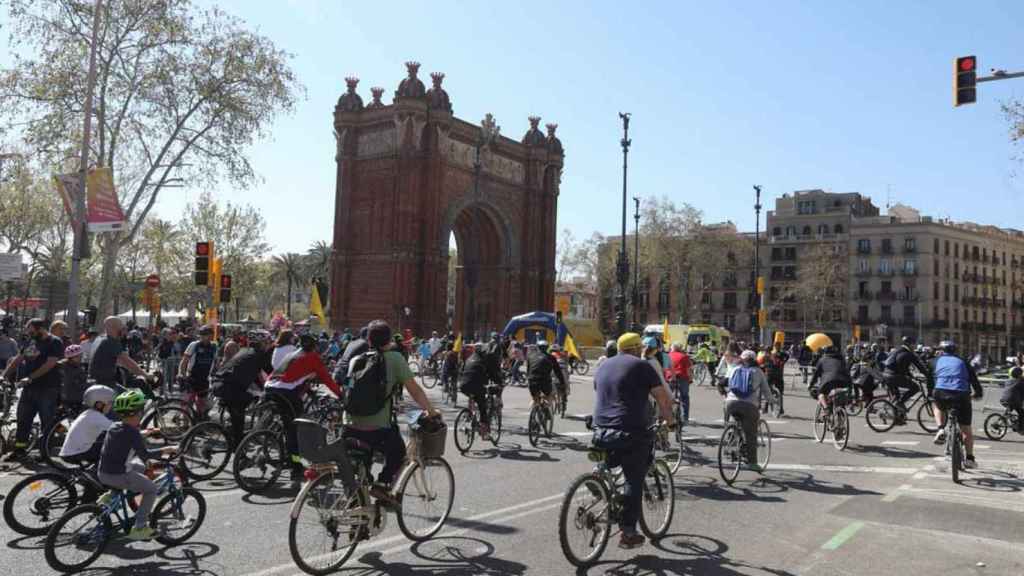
(996, 426)
(178, 516)
(699, 372)
(820, 425)
(425, 494)
(841, 430)
(322, 533)
(535, 426)
(77, 539)
(880, 415)
(36, 502)
(586, 511)
(428, 376)
(659, 500)
(172, 420)
(258, 461)
(776, 402)
(53, 441)
(549, 421)
(465, 430)
(204, 451)
(926, 418)
(582, 367)
(729, 454)
(764, 445)
(953, 433)
(495, 422)
(854, 407)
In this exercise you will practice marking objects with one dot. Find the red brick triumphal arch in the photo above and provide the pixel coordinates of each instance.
(409, 175)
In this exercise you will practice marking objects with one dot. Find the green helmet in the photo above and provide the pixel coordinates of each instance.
(128, 402)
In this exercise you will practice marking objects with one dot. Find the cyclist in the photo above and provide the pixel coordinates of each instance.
(830, 373)
(124, 441)
(747, 386)
(897, 375)
(40, 383)
(478, 371)
(231, 382)
(539, 367)
(620, 424)
(1013, 395)
(108, 354)
(379, 428)
(706, 357)
(74, 377)
(85, 435)
(289, 384)
(679, 370)
(196, 365)
(954, 380)
(774, 365)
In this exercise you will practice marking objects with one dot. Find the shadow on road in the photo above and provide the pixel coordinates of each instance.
(176, 561)
(455, 556)
(888, 451)
(682, 555)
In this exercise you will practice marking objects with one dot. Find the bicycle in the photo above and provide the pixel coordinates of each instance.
(467, 423)
(84, 532)
(36, 502)
(450, 390)
(430, 372)
(998, 424)
(663, 444)
(9, 419)
(955, 444)
(772, 403)
(53, 438)
(578, 365)
(833, 420)
(699, 373)
(594, 503)
(732, 449)
(331, 516)
(884, 412)
(541, 420)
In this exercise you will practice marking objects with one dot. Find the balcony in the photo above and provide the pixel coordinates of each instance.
(730, 306)
(912, 297)
(887, 320)
(887, 249)
(938, 324)
(865, 295)
(999, 302)
(909, 249)
(889, 272)
(968, 301)
(886, 295)
(998, 327)
(907, 321)
(863, 249)
(908, 271)
(862, 273)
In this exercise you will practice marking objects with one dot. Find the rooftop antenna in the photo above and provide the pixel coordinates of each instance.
(888, 196)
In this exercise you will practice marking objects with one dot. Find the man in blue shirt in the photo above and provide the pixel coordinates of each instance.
(954, 379)
(623, 384)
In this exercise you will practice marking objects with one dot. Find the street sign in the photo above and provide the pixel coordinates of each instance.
(11, 268)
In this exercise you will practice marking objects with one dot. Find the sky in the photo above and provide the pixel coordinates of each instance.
(840, 95)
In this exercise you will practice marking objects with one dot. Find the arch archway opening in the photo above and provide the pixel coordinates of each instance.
(477, 273)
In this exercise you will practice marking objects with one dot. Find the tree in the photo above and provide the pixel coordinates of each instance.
(1014, 112)
(565, 254)
(318, 260)
(181, 93)
(820, 288)
(289, 267)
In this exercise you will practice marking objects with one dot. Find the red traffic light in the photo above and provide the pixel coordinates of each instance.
(202, 248)
(967, 63)
(225, 281)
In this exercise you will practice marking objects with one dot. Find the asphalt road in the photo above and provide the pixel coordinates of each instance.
(884, 506)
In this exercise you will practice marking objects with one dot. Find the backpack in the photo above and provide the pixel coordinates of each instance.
(367, 387)
(891, 362)
(739, 382)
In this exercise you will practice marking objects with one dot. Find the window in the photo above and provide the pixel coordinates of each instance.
(886, 246)
(789, 315)
(791, 253)
(864, 245)
(773, 293)
(730, 301)
(838, 229)
(945, 314)
(956, 250)
(862, 314)
(822, 229)
(909, 312)
(935, 246)
(730, 321)
(807, 231)
(910, 267)
(862, 288)
(790, 273)
(946, 250)
(777, 231)
(886, 313)
(945, 292)
(776, 272)
(663, 303)
(886, 287)
(935, 292)
(805, 207)
(935, 266)
(837, 315)
(790, 231)
(776, 254)
(956, 270)
(863, 266)
(885, 266)
(705, 298)
(910, 244)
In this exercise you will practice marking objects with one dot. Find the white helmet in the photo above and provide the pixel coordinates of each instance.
(98, 393)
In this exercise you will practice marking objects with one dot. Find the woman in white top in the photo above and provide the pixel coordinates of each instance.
(284, 346)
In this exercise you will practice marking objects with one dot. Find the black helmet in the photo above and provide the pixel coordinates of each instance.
(611, 349)
(948, 346)
(307, 342)
(907, 340)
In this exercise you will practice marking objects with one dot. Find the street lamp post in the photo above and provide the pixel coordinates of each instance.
(79, 226)
(636, 261)
(622, 265)
(755, 326)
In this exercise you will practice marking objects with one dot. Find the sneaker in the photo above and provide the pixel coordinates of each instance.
(630, 540)
(754, 468)
(940, 437)
(105, 499)
(382, 493)
(144, 533)
(970, 463)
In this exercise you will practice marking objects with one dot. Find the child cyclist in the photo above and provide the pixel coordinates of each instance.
(115, 471)
(85, 435)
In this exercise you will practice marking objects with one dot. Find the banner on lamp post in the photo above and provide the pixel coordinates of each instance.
(67, 186)
(104, 211)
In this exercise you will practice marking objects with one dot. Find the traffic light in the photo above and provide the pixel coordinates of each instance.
(225, 288)
(202, 268)
(964, 80)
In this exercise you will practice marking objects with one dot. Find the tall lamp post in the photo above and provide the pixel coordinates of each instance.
(636, 261)
(755, 326)
(622, 265)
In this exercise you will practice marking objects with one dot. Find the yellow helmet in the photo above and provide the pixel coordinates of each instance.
(629, 341)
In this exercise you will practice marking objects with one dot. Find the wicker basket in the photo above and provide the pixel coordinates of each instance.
(424, 445)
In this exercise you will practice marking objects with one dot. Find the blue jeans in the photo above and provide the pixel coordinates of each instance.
(41, 400)
(682, 387)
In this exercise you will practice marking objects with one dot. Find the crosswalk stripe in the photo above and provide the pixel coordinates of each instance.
(901, 442)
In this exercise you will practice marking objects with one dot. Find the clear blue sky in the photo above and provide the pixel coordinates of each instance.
(846, 96)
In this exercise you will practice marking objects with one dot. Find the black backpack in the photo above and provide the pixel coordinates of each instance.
(368, 391)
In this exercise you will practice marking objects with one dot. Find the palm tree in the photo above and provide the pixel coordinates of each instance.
(319, 259)
(290, 267)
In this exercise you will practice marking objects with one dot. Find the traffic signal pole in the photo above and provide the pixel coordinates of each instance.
(1000, 75)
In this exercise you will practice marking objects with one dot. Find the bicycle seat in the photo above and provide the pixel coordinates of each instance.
(596, 454)
(356, 446)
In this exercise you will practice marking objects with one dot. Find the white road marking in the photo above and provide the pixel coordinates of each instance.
(901, 442)
(982, 446)
(290, 567)
(580, 434)
(776, 422)
(892, 496)
(835, 468)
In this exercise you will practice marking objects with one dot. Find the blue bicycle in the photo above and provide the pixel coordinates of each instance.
(80, 536)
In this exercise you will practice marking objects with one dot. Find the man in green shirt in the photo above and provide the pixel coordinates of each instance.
(379, 430)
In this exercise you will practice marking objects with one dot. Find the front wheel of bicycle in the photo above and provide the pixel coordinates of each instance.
(428, 376)
(535, 426)
(259, 461)
(496, 423)
(926, 417)
(582, 367)
(204, 451)
(77, 539)
(730, 457)
(425, 497)
(172, 420)
(955, 452)
(880, 415)
(659, 502)
(35, 503)
(325, 531)
(841, 430)
(820, 425)
(465, 430)
(584, 522)
(764, 445)
(996, 426)
(178, 516)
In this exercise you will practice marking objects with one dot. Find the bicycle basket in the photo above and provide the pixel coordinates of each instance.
(311, 438)
(428, 444)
